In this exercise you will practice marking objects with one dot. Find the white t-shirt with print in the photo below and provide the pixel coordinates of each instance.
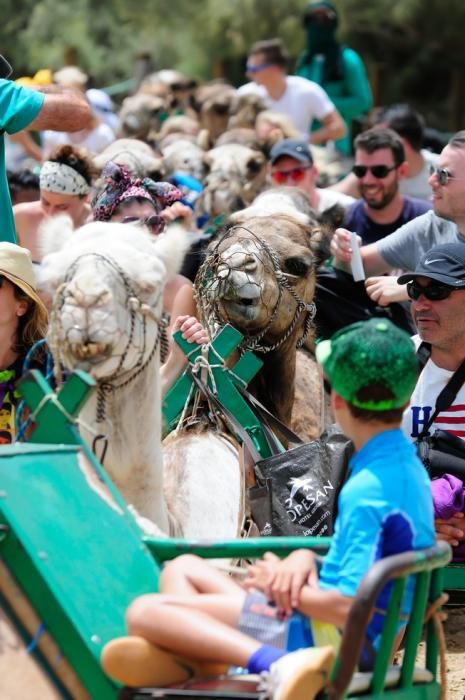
(430, 384)
(303, 101)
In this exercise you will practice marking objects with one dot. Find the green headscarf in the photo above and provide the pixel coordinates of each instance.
(321, 40)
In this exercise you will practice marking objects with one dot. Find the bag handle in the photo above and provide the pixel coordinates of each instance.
(446, 396)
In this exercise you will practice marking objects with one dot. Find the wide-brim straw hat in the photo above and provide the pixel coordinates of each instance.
(16, 266)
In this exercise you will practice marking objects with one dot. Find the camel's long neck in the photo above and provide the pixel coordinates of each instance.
(134, 457)
(274, 386)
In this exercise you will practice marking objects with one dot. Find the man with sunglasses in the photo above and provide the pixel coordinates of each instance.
(403, 248)
(437, 292)
(379, 168)
(291, 163)
(302, 100)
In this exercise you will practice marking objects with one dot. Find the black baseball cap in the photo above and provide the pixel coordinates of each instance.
(443, 263)
(294, 148)
(5, 69)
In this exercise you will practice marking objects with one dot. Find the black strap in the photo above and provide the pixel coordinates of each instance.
(446, 396)
(268, 418)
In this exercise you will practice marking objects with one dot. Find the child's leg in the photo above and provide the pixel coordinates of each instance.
(189, 632)
(189, 574)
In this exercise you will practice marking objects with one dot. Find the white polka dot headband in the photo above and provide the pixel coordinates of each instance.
(62, 179)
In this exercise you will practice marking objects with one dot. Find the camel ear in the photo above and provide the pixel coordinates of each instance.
(54, 233)
(319, 239)
(255, 164)
(172, 247)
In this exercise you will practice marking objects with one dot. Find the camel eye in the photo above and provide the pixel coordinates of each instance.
(296, 266)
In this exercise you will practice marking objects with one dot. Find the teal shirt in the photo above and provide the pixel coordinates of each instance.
(18, 108)
(352, 96)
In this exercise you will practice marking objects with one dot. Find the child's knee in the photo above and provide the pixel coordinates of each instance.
(138, 611)
(181, 567)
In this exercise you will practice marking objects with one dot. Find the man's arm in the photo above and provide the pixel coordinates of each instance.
(62, 110)
(333, 128)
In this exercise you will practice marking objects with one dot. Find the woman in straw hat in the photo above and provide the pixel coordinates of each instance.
(23, 321)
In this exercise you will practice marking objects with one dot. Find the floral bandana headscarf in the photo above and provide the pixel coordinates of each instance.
(121, 185)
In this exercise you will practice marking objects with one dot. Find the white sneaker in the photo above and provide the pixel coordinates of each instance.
(299, 675)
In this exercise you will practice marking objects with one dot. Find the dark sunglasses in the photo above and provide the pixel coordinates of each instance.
(379, 171)
(443, 175)
(250, 68)
(297, 174)
(433, 292)
(155, 222)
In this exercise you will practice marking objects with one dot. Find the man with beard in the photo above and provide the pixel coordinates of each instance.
(379, 167)
(404, 248)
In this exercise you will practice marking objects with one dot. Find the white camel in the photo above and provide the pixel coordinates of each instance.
(106, 281)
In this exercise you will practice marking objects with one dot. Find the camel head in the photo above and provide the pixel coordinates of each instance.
(141, 114)
(235, 174)
(260, 277)
(106, 281)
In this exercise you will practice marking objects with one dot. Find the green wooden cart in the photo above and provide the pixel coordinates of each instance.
(72, 558)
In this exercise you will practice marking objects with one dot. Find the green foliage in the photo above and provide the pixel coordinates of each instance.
(413, 48)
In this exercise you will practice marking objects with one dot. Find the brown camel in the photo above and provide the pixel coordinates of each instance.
(260, 277)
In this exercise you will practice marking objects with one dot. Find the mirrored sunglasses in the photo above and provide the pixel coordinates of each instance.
(296, 174)
(433, 292)
(443, 175)
(155, 222)
(378, 171)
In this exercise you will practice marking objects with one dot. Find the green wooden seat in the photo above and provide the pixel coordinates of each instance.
(386, 681)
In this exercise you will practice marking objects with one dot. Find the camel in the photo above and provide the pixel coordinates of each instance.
(235, 175)
(136, 155)
(260, 277)
(106, 281)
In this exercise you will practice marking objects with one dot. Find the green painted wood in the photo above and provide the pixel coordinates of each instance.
(415, 627)
(454, 577)
(224, 384)
(253, 547)
(79, 560)
(383, 657)
(52, 423)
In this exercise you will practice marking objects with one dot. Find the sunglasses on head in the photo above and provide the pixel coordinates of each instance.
(378, 171)
(296, 174)
(443, 175)
(433, 292)
(155, 223)
(251, 68)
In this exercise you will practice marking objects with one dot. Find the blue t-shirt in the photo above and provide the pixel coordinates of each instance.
(356, 219)
(18, 108)
(384, 508)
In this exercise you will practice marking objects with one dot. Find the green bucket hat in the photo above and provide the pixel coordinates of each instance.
(366, 353)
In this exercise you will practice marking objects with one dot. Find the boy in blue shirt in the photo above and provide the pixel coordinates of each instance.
(384, 508)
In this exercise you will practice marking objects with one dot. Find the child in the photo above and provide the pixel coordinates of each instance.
(385, 507)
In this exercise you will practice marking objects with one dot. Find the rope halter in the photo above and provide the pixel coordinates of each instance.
(208, 301)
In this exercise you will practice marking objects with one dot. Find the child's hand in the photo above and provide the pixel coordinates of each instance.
(281, 580)
(191, 329)
(292, 574)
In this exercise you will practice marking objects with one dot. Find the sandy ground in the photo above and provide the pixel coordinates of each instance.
(455, 636)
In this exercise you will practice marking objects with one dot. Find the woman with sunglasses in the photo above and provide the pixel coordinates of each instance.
(133, 200)
(339, 70)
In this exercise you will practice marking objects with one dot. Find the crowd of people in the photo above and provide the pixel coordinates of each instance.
(407, 207)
